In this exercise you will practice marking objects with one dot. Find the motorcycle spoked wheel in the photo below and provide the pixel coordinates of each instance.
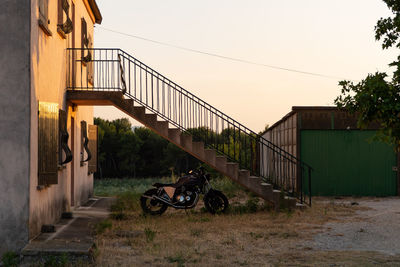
(152, 206)
(216, 202)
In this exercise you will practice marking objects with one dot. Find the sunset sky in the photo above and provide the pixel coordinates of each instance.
(334, 38)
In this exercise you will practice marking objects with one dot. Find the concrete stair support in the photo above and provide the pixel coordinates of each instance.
(232, 170)
(210, 156)
(186, 142)
(162, 128)
(175, 136)
(220, 163)
(198, 149)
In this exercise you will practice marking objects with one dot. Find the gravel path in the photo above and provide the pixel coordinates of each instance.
(375, 229)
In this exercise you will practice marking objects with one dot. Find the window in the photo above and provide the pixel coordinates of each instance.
(64, 24)
(84, 144)
(43, 16)
(90, 69)
(92, 168)
(63, 133)
(48, 127)
(86, 56)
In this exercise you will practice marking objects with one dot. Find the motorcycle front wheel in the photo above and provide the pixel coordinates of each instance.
(152, 206)
(216, 202)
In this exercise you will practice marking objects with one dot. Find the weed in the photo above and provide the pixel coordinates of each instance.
(226, 185)
(201, 219)
(251, 206)
(230, 240)
(127, 201)
(10, 259)
(118, 215)
(218, 256)
(287, 235)
(150, 234)
(256, 235)
(242, 263)
(179, 259)
(64, 259)
(102, 226)
(196, 232)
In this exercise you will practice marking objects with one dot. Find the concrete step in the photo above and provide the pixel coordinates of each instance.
(186, 142)
(220, 163)
(254, 184)
(288, 203)
(150, 120)
(267, 190)
(244, 176)
(129, 101)
(232, 170)
(174, 135)
(301, 206)
(276, 197)
(162, 128)
(138, 113)
(198, 149)
(210, 156)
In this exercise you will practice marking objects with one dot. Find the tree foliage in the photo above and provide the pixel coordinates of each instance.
(125, 151)
(377, 97)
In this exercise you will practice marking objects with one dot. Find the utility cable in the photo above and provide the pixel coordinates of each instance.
(223, 57)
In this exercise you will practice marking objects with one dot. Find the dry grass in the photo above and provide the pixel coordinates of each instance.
(195, 238)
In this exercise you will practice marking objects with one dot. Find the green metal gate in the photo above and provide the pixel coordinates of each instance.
(349, 163)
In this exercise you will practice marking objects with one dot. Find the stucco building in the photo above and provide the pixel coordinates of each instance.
(47, 145)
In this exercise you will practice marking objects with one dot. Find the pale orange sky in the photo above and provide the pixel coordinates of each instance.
(329, 37)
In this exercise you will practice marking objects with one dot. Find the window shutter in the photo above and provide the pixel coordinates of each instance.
(48, 143)
(92, 168)
(84, 143)
(64, 138)
(90, 67)
(43, 10)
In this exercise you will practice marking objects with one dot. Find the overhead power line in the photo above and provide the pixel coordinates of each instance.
(222, 56)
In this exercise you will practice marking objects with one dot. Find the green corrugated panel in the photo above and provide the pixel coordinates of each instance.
(348, 163)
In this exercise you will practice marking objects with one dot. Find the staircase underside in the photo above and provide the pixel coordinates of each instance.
(184, 141)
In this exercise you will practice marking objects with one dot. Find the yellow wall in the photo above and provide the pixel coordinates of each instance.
(48, 83)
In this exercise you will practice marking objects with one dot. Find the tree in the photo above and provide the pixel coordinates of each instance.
(377, 98)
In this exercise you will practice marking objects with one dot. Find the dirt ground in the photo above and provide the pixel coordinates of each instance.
(263, 238)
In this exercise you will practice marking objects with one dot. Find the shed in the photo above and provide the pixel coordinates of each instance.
(346, 161)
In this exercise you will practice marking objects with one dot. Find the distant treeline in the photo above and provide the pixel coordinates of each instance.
(126, 151)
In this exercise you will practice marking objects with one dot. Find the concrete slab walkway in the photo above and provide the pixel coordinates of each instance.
(73, 236)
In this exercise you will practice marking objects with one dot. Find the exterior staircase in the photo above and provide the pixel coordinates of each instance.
(122, 81)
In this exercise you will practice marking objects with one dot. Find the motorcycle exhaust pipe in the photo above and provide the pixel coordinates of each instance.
(175, 206)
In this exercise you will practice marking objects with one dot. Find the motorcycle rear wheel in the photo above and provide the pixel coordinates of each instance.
(152, 206)
(216, 202)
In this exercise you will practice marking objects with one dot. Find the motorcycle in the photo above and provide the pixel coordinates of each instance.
(184, 194)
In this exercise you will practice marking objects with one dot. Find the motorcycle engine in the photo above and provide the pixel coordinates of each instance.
(186, 198)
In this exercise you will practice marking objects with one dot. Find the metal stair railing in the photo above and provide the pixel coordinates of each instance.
(112, 69)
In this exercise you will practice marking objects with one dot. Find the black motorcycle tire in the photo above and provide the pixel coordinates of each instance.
(147, 203)
(216, 202)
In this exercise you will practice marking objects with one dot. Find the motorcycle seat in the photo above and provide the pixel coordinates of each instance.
(162, 185)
